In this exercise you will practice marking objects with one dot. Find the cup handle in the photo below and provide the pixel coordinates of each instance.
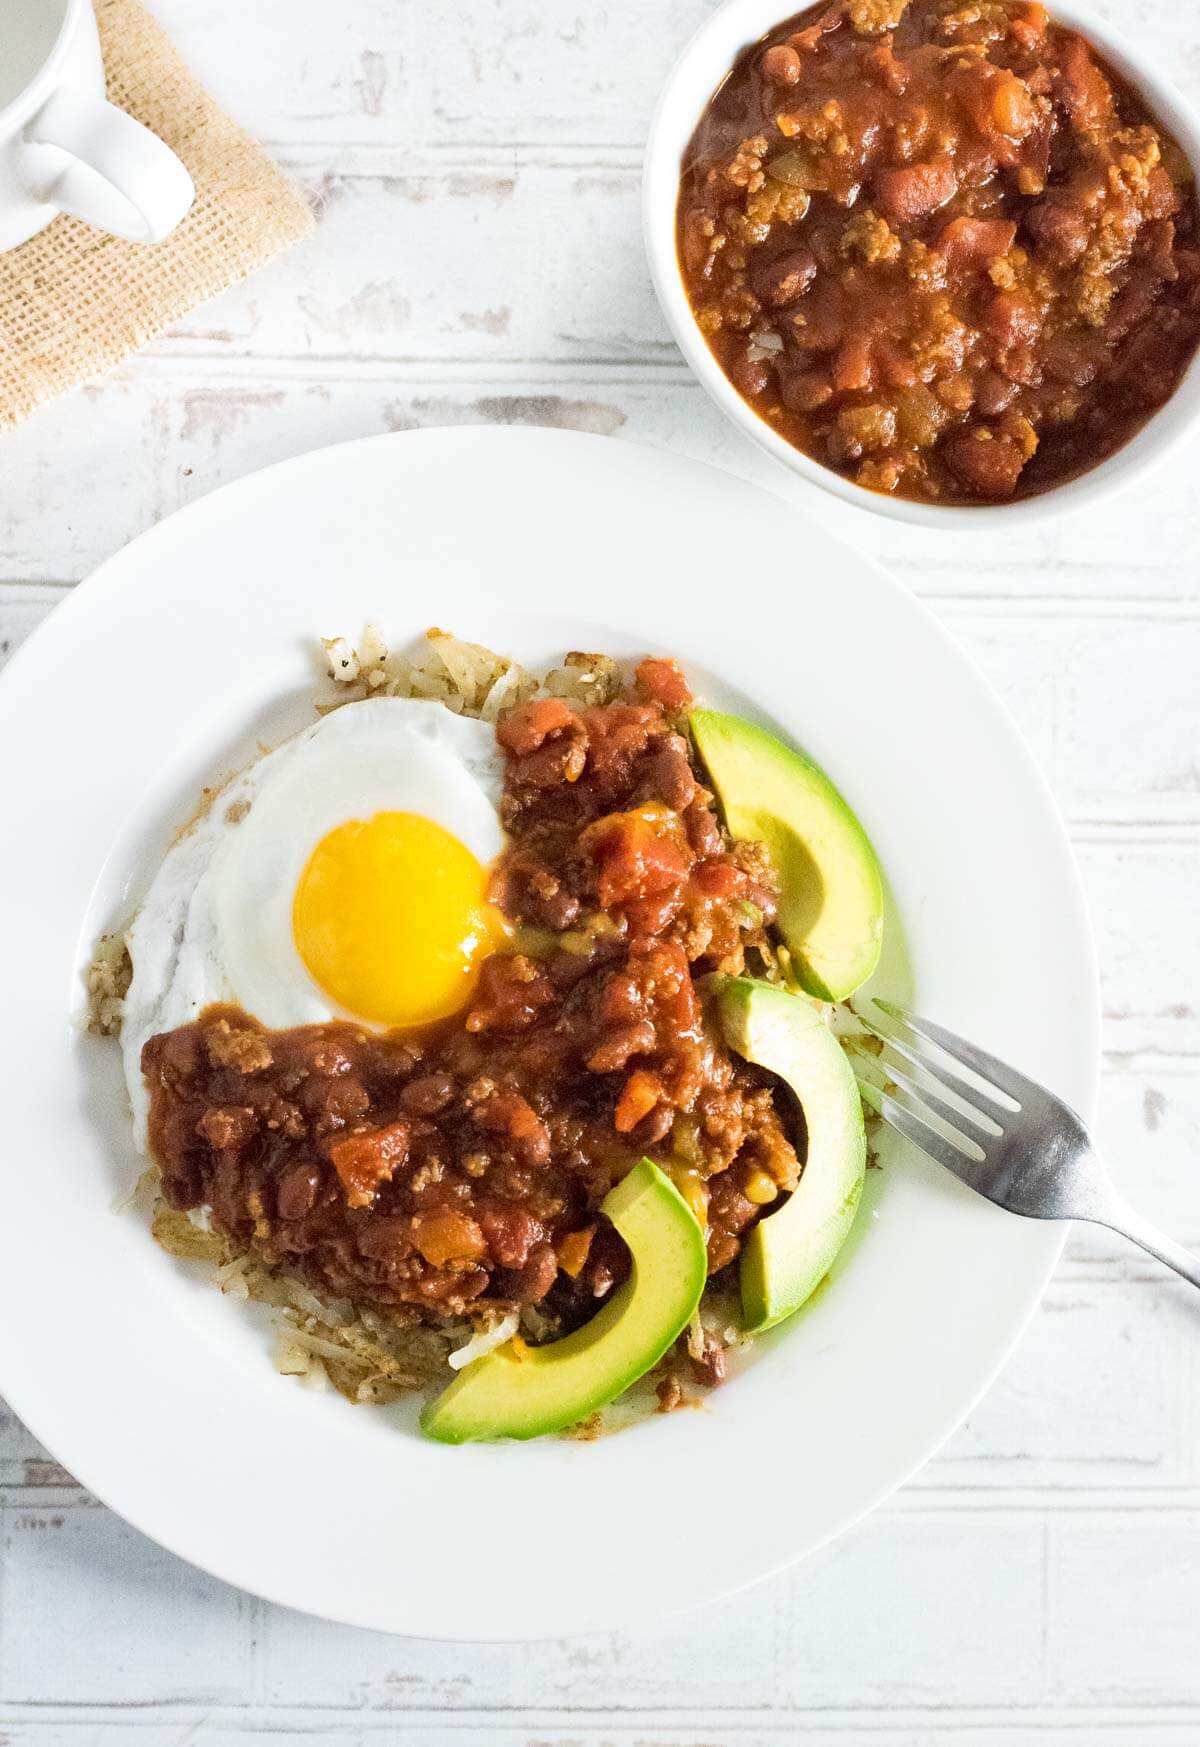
(119, 176)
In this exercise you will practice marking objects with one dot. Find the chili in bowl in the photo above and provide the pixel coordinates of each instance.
(934, 255)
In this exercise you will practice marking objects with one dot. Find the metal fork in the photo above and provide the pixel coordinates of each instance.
(1000, 1133)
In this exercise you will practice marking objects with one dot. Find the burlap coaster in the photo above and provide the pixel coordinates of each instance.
(73, 301)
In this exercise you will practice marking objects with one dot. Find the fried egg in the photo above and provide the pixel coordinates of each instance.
(342, 876)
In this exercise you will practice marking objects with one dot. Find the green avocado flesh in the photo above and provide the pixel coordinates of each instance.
(831, 890)
(788, 1253)
(522, 1392)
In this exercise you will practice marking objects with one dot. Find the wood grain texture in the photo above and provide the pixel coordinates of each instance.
(478, 260)
(176, 425)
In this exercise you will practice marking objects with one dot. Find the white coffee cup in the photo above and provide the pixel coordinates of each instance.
(62, 147)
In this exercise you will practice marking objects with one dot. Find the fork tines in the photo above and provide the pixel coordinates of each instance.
(938, 1105)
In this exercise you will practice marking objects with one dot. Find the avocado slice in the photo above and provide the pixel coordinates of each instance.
(788, 1253)
(831, 889)
(522, 1392)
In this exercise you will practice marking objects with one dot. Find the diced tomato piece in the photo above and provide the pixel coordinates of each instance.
(662, 682)
(364, 1161)
(639, 866)
(639, 1096)
(891, 73)
(1085, 92)
(719, 878)
(513, 1117)
(653, 915)
(528, 726)
(854, 366)
(636, 856)
(971, 244)
(914, 190)
(1027, 25)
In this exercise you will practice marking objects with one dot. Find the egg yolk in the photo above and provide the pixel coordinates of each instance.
(390, 917)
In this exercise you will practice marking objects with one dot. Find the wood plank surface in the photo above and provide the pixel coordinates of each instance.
(479, 261)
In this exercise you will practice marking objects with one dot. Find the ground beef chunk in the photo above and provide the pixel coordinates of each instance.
(237, 1046)
(709, 1366)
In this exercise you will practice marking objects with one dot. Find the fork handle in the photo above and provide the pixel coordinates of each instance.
(1130, 1224)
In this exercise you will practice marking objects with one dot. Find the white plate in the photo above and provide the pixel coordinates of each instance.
(196, 642)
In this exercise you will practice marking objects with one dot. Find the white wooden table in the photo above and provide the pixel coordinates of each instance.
(479, 260)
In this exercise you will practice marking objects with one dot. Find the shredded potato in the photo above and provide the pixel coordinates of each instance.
(466, 677)
(365, 1355)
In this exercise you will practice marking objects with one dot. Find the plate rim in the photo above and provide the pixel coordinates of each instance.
(87, 596)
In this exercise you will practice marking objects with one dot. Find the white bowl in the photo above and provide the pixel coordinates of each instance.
(696, 74)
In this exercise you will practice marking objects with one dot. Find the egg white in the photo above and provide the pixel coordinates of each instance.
(216, 924)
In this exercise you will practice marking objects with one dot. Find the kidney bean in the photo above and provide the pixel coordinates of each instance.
(428, 1095)
(297, 1189)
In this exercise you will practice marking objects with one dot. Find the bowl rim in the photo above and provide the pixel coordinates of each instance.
(697, 71)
